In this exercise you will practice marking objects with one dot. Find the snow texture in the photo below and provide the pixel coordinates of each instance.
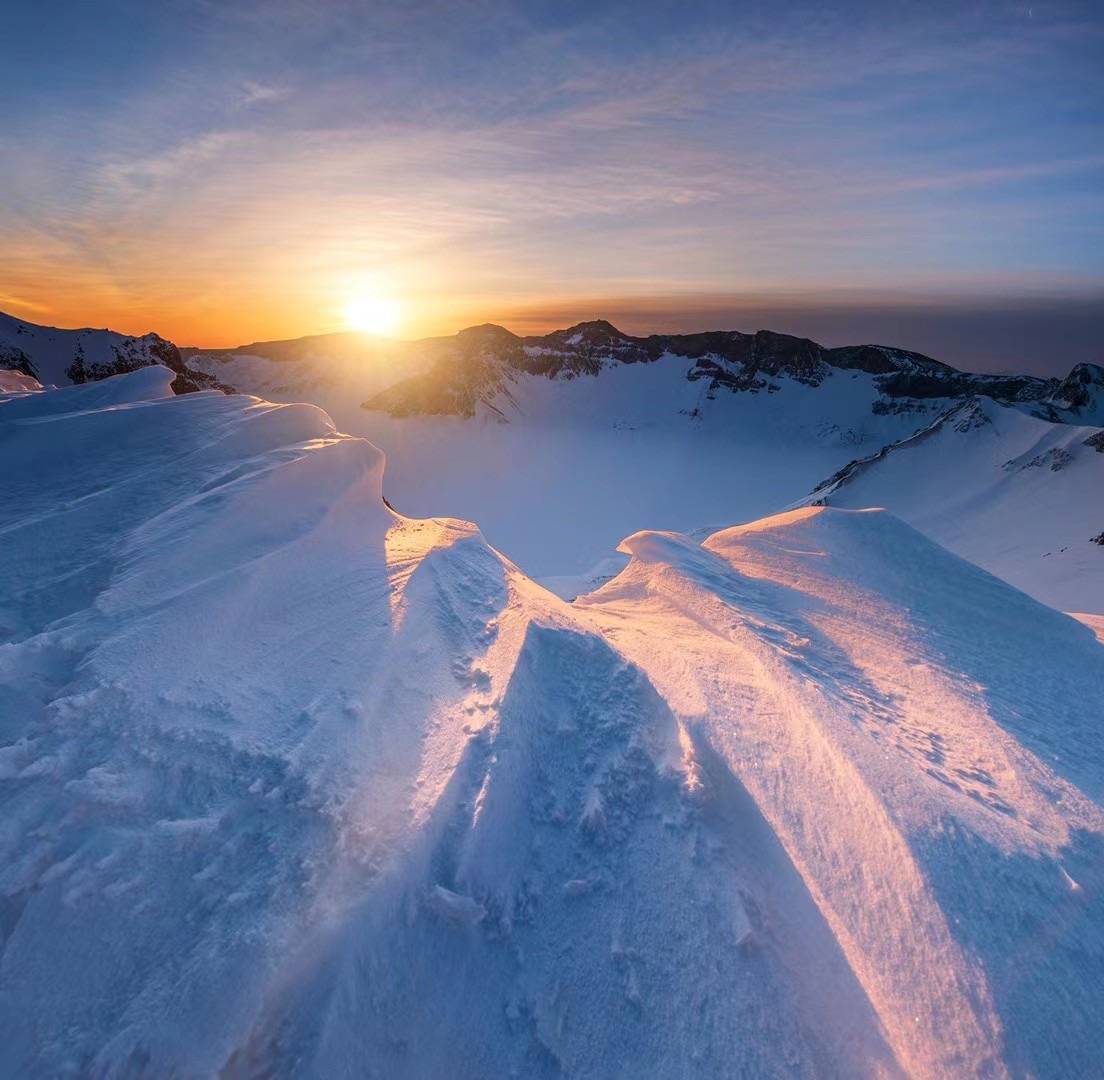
(294, 785)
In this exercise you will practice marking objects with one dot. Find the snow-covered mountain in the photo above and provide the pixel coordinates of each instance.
(291, 784)
(63, 357)
(1014, 493)
(489, 371)
(340, 367)
(1078, 398)
(485, 363)
(560, 445)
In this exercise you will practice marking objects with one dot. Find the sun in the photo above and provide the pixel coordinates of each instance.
(372, 314)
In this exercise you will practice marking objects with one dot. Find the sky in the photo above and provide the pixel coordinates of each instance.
(929, 175)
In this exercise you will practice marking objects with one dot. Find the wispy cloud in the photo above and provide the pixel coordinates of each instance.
(21, 303)
(259, 93)
(476, 151)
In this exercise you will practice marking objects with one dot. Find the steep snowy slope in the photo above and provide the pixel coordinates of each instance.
(263, 741)
(293, 785)
(59, 357)
(1016, 494)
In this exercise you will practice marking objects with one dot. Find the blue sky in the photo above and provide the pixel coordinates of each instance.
(232, 171)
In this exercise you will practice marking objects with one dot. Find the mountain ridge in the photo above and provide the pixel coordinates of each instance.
(469, 368)
(484, 357)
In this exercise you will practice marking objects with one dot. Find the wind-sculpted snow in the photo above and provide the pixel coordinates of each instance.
(925, 743)
(292, 785)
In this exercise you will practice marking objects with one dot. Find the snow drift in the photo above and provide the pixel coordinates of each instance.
(291, 784)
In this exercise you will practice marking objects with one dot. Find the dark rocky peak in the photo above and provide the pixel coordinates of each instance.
(783, 354)
(476, 367)
(1081, 389)
(133, 353)
(729, 345)
(596, 331)
(487, 334)
(582, 349)
(883, 359)
(480, 346)
(749, 361)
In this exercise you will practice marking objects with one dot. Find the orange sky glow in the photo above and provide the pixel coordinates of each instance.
(259, 171)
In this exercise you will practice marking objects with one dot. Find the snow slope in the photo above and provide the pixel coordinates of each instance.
(1014, 493)
(293, 785)
(585, 460)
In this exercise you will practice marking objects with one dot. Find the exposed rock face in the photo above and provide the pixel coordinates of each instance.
(13, 358)
(481, 362)
(1055, 459)
(952, 383)
(136, 353)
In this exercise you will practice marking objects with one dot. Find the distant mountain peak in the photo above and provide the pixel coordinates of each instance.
(595, 332)
(487, 330)
(595, 327)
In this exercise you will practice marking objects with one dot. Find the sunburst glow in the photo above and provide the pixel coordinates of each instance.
(372, 314)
